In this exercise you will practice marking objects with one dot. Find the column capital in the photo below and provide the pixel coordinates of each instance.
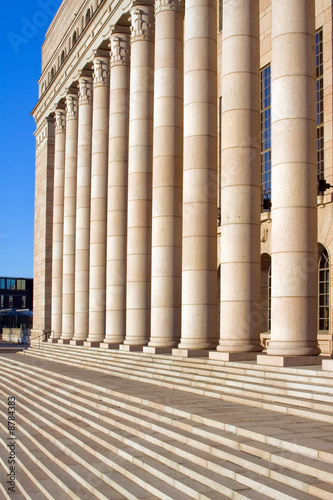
(142, 20)
(101, 68)
(165, 5)
(85, 88)
(72, 104)
(60, 120)
(120, 53)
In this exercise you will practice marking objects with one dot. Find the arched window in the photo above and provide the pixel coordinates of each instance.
(74, 40)
(62, 57)
(88, 16)
(52, 73)
(43, 87)
(323, 289)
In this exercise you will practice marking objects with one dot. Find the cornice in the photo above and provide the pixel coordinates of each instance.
(78, 59)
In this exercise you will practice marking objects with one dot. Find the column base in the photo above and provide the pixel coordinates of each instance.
(130, 348)
(191, 353)
(76, 342)
(327, 365)
(263, 359)
(63, 341)
(53, 341)
(109, 345)
(233, 356)
(91, 343)
(157, 350)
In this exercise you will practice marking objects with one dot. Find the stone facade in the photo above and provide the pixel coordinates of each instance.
(148, 132)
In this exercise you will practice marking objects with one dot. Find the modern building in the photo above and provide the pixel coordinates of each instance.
(16, 297)
(16, 293)
(183, 178)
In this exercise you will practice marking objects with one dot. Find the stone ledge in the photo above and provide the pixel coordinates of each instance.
(157, 350)
(90, 343)
(109, 345)
(130, 348)
(327, 365)
(232, 356)
(264, 359)
(76, 342)
(191, 353)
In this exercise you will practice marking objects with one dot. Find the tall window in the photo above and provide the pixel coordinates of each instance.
(221, 15)
(324, 290)
(11, 284)
(2, 283)
(74, 40)
(24, 302)
(88, 17)
(266, 161)
(320, 103)
(2, 301)
(20, 284)
(11, 301)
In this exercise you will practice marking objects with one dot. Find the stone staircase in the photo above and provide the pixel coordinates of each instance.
(111, 425)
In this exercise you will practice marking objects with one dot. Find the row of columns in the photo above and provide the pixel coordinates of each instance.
(135, 185)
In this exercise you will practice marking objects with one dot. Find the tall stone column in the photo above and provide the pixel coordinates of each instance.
(167, 177)
(45, 138)
(294, 185)
(117, 189)
(98, 210)
(140, 178)
(58, 222)
(240, 185)
(82, 242)
(68, 284)
(199, 260)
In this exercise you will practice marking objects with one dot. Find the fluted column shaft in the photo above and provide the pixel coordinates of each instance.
(98, 211)
(294, 180)
(117, 189)
(199, 260)
(140, 177)
(167, 175)
(58, 221)
(68, 285)
(83, 209)
(240, 186)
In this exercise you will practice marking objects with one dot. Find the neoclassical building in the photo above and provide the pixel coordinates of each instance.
(183, 178)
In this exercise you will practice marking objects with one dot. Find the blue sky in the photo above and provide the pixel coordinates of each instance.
(23, 24)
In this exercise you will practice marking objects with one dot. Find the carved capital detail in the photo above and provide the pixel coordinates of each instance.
(120, 53)
(85, 90)
(60, 120)
(175, 5)
(72, 106)
(101, 71)
(141, 23)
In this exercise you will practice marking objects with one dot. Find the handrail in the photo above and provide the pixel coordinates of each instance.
(45, 333)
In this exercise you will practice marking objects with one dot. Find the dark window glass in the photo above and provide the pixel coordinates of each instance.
(11, 284)
(221, 16)
(20, 285)
(320, 103)
(324, 294)
(266, 144)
